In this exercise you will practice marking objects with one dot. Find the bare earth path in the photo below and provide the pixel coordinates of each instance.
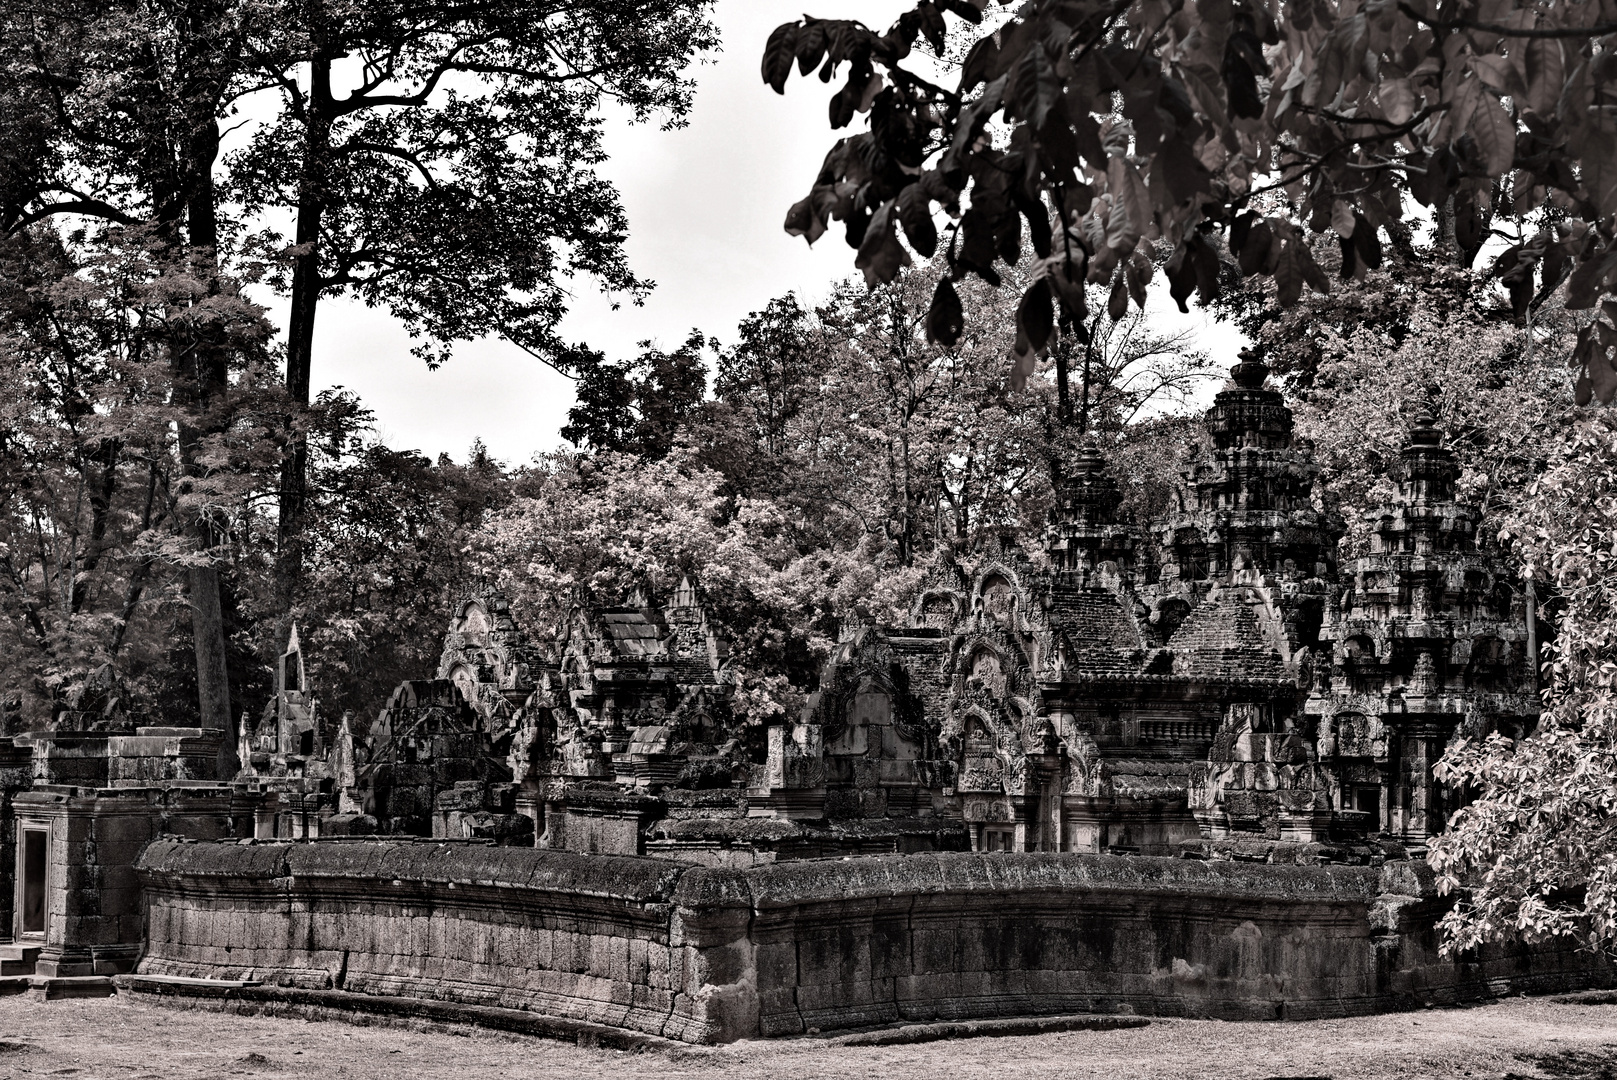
(120, 1039)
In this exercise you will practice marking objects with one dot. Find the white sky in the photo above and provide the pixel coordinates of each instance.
(705, 206)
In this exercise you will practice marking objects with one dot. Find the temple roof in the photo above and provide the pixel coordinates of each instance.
(1222, 640)
(1099, 632)
(632, 635)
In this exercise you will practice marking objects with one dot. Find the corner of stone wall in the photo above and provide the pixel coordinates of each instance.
(710, 932)
(1411, 970)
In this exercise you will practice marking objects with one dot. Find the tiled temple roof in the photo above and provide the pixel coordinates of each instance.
(1101, 636)
(1221, 640)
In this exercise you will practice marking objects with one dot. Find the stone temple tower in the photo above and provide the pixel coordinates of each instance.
(1250, 511)
(1248, 563)
(1085, 540)
(1426, 638)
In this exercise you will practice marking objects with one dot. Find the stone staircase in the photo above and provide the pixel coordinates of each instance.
(19, 975)
(18, 959)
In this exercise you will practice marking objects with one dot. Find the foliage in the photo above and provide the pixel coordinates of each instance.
(597, 529)
(1135, 122)
(1427, 334)
(389, 538)
(841, 454)
(638, 407)
(850, 415)
(452, 181)
(441, 158)
(95, 499)
(1533, 855)
(438, 160)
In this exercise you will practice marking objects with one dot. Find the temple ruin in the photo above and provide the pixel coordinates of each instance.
(1241, 697)
(1245, 695)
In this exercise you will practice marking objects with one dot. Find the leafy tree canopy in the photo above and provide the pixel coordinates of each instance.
(1534, 855)
(1217, 124)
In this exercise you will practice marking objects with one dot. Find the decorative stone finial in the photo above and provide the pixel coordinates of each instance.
(1086, 496)
(1425, 432)
(1429, 466)
(1089, 460)
(1251, 373)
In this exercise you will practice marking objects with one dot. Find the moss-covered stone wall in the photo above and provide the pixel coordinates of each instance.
(714, 954)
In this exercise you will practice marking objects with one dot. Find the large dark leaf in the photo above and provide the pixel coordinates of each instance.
(1021, 366)
(1240, 80)
(933, 26)
(1521, 293)
(778, 56)
(1602, 379)
(1546, 74)
(1117, 305)
(810, 47)
(1366, 243)
(1350, 263)
(1313, 276)
(1067, 282)
(963, 8)
(1177, 169)
(915, 213)
(1034, 318)
(1587, 281)
(981, 64)
(945, 318)
(881, 255)
(1181, 272)
(1255, 249)
(1137, 272)
(1207, 269)
(1038, 224)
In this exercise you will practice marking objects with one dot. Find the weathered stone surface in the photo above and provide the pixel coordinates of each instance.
(712, 954)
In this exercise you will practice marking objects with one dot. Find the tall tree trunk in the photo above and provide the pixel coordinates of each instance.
(212, 656)
(1083, 415)
(208, 375)
(306, 285)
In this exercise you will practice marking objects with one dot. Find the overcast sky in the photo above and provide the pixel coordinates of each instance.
(705, 206)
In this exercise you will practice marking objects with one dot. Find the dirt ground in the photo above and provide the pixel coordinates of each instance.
(124, 1039)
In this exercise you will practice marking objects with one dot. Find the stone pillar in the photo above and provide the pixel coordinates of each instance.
(92, 899)
(1084, 830)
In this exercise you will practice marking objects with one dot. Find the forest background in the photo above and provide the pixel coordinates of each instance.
(174, 495)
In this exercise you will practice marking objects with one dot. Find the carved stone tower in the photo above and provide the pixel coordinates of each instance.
(1427, 638)
(1085, 536)
(1250, 503)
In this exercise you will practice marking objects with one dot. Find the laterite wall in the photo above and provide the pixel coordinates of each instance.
(705, 954)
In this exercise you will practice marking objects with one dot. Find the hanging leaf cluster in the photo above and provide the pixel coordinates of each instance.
(1102, 131)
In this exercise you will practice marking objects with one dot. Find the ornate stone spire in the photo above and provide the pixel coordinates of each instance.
(1427, 638)
(1248, 414)
(1249, 504)
(1429, 466)
(1425, 518)
(1086, 496)
(1084, 530)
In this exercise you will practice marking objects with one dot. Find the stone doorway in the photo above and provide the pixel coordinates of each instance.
(32, 863)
